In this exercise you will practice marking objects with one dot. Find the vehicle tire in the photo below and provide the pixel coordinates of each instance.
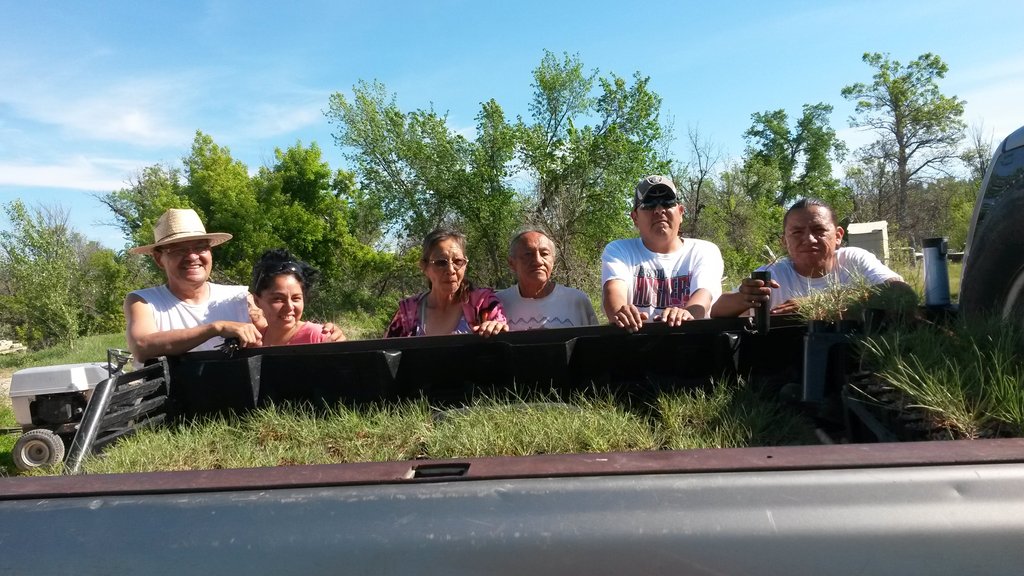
(39, 447)
(993, 278)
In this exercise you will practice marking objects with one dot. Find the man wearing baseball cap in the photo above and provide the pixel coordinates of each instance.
(659, 276)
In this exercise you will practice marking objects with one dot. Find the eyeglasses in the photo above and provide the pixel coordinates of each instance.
(655, 202)
(276, 269)
(182, 251)
(442, 263)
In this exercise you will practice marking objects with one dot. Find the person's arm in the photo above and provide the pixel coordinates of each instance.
(332, 333)
(750, 294)
(699, 305)
(145, 341)
(618, 310)
(487, 308)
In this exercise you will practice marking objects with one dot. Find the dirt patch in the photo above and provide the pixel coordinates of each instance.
(5, 387)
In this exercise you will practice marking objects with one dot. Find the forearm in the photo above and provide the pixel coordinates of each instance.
(699, 304)
(730, 305)
(613, 298)
(170, 342)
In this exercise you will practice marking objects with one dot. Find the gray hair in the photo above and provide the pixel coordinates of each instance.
(519, 237)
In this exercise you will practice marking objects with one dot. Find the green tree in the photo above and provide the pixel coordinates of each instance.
(423, 175)
(978, 155)
(413, 164)
(137, 207)
(746, 226)
(41, 269)
(583, 173)
(490, 208)
(802, 156)
(300, 207)
(919, 128)
(696, 181)
(873, 185)
(297, 203)
(106, 278)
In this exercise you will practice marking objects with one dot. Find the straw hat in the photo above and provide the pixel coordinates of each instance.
(180, 225)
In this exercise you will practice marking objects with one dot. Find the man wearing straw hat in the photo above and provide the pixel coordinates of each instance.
(188, 312)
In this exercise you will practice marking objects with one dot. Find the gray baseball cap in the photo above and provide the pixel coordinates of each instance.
(654, 186)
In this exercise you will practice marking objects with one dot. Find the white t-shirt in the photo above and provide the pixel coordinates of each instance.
(225, 303)
(564, 307)
(657, 281)
(851, 264)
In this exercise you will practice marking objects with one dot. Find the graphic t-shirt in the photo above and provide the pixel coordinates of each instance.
(657, 281)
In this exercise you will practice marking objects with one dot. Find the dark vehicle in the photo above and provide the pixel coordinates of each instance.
(868, 507)
(993, 272)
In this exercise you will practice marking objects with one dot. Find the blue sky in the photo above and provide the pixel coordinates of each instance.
(92, 92)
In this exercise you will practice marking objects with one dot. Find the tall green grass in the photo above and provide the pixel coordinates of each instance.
(85, 349)
(729, 416)
(7, 440)
(500, 428)
(968, 378)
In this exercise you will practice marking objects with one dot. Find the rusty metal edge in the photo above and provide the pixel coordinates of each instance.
(961, 452)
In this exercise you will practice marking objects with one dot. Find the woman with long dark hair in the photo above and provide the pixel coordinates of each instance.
(451, 305)
(281, 286)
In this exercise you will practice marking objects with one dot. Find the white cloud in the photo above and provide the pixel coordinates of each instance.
(467, 132)
(141, 110)
(269, 120)
(77, 173)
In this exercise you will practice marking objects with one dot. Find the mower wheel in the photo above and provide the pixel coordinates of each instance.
(39, 447)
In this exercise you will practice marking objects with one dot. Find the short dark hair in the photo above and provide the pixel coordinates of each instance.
(279, 261)
(806, 203)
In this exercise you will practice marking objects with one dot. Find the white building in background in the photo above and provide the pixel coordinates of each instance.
(871, 236)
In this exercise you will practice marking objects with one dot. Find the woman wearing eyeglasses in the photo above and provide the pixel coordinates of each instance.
(452, 305)
(281, 284)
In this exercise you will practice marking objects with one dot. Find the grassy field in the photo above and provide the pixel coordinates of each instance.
(280, 436)
(725, 417)
(87, 349)
(914, 275)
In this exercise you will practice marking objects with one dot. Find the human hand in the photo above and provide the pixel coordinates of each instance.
(490, 328)
(246, 332)
(757, 293)
(629, 317)
(258, 319)
(333, 333)
(674, 316)
(787, 307)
